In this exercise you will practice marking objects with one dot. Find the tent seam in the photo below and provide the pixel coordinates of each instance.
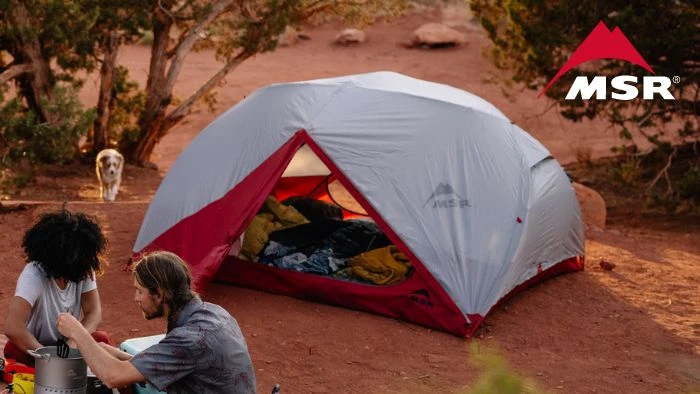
(431, 99)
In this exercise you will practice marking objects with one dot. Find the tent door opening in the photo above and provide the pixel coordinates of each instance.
(311, 223)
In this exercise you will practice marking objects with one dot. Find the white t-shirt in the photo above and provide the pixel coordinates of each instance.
(48, 300)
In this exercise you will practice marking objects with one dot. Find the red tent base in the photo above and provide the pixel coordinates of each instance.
(411, 300)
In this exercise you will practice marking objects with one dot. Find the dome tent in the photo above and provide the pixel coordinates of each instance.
(478, 206)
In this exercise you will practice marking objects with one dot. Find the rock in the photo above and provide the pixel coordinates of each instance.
(12, 208)
(606, 265)
(437, 35)
(350, 36)
(289, 37)
(684, 207)
(436, 359)
(406, 44)
(593, 209)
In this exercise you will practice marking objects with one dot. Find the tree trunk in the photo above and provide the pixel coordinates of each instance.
(161, 124)
(157, 98)
(154, 123)
(106, 97)
(38, 86)
(149, 139)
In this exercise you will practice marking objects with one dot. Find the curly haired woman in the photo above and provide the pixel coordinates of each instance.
(64, 254)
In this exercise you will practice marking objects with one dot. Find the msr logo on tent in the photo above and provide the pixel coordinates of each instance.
(445, 196)
(602, 43)
(421, 297)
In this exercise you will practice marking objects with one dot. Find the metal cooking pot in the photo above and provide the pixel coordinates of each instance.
(56, 372)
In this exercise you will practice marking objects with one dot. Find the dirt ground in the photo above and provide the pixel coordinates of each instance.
(635, 329)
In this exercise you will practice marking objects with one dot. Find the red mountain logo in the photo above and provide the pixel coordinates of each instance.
(602, 43)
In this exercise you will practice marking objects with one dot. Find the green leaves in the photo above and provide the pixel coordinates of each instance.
(496, 375)
(534, 38)
(24, 136)
(72, 37)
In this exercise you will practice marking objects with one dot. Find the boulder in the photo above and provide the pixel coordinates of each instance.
(437, 35)
(289, 37)
(350, 36)
(593, 209)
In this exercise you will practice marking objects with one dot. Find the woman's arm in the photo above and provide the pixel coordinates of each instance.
(15, 325)
(92, 310)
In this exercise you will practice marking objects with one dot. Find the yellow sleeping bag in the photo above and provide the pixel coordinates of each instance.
(383, 266)
(273, 216)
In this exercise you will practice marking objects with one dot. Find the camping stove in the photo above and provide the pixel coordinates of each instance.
(39, 389)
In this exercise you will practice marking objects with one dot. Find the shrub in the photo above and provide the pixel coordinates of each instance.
(689, 185)
(627, 171)
(24, 136)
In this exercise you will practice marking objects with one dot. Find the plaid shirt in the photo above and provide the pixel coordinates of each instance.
(204, 352)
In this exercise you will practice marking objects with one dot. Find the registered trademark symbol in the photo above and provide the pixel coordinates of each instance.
(676, 79)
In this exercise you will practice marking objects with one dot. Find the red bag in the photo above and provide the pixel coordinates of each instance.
(11, 367)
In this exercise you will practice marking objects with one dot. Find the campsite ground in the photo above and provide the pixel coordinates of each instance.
(635, 329)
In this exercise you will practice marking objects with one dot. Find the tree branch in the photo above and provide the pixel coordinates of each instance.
(183, 109)
(664, 173)
(14, 72)
(640, 129)
(189, 39)
(184, 5)
(166, 11)
(553, 104)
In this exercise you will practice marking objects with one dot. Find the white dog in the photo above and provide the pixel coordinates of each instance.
(108, 165)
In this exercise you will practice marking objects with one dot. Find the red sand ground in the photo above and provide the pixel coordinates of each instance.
(631, 330)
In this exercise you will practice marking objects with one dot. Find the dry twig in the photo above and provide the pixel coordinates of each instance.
(664, 173)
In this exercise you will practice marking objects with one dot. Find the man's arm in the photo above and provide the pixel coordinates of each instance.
(124, 356)
(92, 310)
(108, 368)
(15, 325)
